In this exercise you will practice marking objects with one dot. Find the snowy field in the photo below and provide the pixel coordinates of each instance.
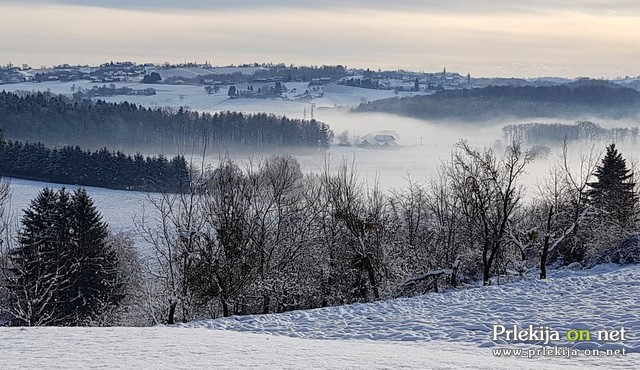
(604, 298)
(438, 331)
(169, 348)
(196, 98)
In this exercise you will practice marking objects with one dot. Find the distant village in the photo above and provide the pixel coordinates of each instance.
(215, 78)
(255, 74)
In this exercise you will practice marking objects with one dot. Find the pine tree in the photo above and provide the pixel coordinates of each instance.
(64, 272)
(38, 263)
(613, 192)
(233, 92)
(95, 284)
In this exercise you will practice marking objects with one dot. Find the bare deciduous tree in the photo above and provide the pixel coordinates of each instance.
(489, 193)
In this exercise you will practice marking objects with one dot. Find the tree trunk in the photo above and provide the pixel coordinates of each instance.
(486, 266)
(185, 312)
(225, 307)
(486, 274)
(372, 278)
(172, 312)
(545, 247)
(454, 274)
(266, 302)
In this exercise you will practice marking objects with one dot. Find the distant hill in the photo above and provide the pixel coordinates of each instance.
(573, 100)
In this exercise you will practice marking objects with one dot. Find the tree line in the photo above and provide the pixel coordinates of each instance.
(293, 73)
(267, 238)
(576, 99)
(56, 120)
(100, 168)
(583, 131)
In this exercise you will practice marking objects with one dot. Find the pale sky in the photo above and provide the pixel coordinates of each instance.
(594, 38)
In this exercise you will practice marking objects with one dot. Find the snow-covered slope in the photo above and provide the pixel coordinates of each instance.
(442, 331)
(196, 97)
(604, 298)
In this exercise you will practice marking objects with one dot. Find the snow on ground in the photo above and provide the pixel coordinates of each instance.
(439, 331)
(188, 72)
(596, 300)
(196, 98)
(604, 298)
(242, 70)
(179, 348)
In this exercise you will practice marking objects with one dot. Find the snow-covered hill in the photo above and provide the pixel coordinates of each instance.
(196, 97)
(450, 330)
(604, 298)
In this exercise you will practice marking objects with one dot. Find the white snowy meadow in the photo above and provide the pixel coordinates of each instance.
(450, 330)
(598, 299)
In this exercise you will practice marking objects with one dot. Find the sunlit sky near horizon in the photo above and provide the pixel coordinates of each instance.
(594, 38)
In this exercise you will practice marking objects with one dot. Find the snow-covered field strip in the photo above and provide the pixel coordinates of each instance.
(437, 331)
(196, 98)
(180, 348)
(596, 299)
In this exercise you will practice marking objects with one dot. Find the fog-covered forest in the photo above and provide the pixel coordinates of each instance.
(57, 120)
(581, 131)
(581, 98)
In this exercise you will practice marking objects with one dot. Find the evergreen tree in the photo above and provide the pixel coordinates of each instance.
(613, 191)
(233, 92)
(152, 78)
(37, 264)
(64, 273)
(96, 286)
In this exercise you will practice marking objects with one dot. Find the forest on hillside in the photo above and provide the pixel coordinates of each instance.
(101, 168)
(57, 120)
(571, 100)
(554, 133)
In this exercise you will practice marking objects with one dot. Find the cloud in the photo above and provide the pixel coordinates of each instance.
(506, 42)
(458, 6)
